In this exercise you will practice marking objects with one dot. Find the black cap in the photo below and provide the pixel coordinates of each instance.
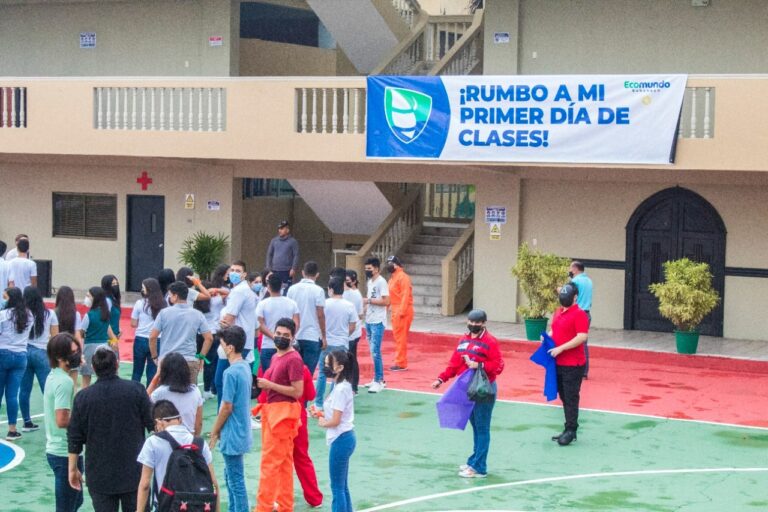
(283, 224)
(477, 315)
(568, 292)
(394, 259)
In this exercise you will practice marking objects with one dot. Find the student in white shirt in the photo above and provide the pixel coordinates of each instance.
(22, 270)
(4, 267)
(155, 453)
(145, 310)
(341, 319)
(338, 418)
(13, 253)
(376, 304)
(15, 323)
(310, 299)
(175, 386)
(353, 295)
(269, 312)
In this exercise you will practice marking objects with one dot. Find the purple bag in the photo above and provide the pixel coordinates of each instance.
(454, 408)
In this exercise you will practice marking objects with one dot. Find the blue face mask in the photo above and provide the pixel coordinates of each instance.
(235, 278)
(257, 287)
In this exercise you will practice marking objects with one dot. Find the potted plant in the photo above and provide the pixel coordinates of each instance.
(685, 297)
(540, 275)
(203, 251)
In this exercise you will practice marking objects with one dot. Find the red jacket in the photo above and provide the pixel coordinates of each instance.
(484, 349)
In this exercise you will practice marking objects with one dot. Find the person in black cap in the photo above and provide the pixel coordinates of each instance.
(401, 306)
(283, 254)
(570, 326)
(476, 348)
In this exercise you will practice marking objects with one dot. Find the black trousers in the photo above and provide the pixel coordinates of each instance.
(355, 364)
(569, 388)
(114, 502)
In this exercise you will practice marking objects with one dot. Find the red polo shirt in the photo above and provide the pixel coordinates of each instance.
(566, 324)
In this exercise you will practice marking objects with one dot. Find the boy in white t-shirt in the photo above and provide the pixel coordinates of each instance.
(155, 453)
(376, 303)
(22, 270)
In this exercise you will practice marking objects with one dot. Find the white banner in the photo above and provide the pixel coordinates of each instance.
(560, 119)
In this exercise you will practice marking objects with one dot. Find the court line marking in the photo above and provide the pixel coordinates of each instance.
(561, 479)
(33, 417)
(607, 411)
(17, 458)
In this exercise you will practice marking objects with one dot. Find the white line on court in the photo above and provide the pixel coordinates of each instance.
(20, 454)
(705, 422)
(561, 479)
(33, 417)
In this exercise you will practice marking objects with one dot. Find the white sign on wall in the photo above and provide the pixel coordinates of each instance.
(87, 39)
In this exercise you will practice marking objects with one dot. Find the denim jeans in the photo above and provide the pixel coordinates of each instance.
(67, 499)
(222, 363)
(310, 353)
(37, 366)
(142, 358)
(12, 367)
(481, 432)
(234, 476)
(375, 333)
(321, 380)
(265, 357)
(338, 463)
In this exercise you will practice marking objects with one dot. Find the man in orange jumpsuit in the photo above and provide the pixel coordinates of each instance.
(401, 304)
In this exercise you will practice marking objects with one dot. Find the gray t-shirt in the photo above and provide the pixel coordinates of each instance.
(179, 326)
(339, 313)
(241, 303)
(308, 297)
(9, 338)
(356, 298)
(187, 403)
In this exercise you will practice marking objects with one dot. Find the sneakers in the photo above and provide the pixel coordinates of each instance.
(471, 473)
(397, 368)
(255, 424)
(367, 385)
(29, 427)
(376, 387)
(464, 467)
(207, 395)
(12, 436)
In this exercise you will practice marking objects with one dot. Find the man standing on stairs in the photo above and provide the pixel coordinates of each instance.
(401, 306)
(283, 255)
(376, 302)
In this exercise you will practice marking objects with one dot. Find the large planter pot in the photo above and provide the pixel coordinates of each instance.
(687, 341)
(534, 327)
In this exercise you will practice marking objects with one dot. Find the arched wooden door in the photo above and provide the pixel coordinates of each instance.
(671, 224)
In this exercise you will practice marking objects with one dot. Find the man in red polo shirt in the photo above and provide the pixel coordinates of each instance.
(569, 329)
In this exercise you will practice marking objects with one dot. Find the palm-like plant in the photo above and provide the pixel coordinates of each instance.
(203, 251)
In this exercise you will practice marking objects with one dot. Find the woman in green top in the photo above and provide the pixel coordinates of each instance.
(111, 287)
(96, 329)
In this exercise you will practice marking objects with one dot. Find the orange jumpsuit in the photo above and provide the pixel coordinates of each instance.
(401, 304)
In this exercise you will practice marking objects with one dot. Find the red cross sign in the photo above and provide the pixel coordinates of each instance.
(144, 180)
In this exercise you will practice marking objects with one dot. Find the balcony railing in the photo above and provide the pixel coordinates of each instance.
(13, 107)
(408, 10)
(330, 110)
(697, 119)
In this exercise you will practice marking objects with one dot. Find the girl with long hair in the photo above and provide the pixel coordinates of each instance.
(15, 324)
(111, 287)
(145, 310)
(96, 329)
(175, 386)
(70, 320)
(45, 326)
(165, 278)
(197, 292)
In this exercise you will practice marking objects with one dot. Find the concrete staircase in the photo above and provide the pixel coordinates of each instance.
(422, 261)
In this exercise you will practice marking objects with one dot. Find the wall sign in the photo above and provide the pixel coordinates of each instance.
(214, 205)
(189, 202)
(496, 214)
(87, 39)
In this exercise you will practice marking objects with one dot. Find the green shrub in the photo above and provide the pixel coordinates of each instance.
(203, 251)
(686, 296)
(539, 275)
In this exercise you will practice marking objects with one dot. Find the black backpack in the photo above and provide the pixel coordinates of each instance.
(187, 485)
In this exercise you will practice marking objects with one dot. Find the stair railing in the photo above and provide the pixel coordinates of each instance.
(457, 274)
(408, 10)
(393, 235)
(432, 38)
(466, 56)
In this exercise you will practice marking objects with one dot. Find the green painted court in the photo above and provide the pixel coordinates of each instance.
(404, 462)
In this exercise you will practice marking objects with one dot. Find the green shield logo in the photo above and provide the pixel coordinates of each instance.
(407, 112)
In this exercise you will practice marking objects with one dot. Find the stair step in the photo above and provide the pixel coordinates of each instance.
(442, 231)
(450, 241)
(427, 310)
(421, 259)
(423, 279)
(421, 289)
(429, 270)
(441, 250)
(427, 300)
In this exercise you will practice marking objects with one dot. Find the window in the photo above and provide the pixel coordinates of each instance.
(85, 216)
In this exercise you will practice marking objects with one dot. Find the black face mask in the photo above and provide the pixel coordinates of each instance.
(391, 269)
(74, 360)
(570, 274)
(474, 329)
(282, 343)
(369, 274)
(328, 372)
(116, 289)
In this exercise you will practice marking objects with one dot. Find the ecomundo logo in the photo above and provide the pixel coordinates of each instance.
(407, 112)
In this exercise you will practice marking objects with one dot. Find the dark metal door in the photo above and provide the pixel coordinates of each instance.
(672, 224)
(146, 239)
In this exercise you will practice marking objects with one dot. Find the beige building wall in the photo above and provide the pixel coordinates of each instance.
(146, 38)
(267, 58)
(26, 206)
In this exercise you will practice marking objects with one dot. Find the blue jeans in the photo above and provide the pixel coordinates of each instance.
(375, 333)
(67, 499)
(37, 366)
(12, 367)
(222, 363)
(321, 379)
(481, 432)
(338, 463)
(142, 358)
(310, 353)
(234, 476)
(265, 357)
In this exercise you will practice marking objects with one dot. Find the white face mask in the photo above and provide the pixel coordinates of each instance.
(88, 301)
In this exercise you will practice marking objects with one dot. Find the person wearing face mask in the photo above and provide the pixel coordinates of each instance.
(376, 304)
(476, 348)
(569, 329)
(283, 384)
(401, 305)
(96, 330)
(145, 310)
(64, 355)
(15, 324)
(111, 288)
(584, 300)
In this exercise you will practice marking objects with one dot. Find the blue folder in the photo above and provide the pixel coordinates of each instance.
(542, 357)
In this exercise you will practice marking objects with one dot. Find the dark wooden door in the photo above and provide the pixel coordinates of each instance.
(146, 239)
(672, 224)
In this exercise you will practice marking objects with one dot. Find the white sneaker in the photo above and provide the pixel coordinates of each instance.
(376, 387)
(464, 467)
(255, 424)
(369, 384)
(471, 473)
(207, 395)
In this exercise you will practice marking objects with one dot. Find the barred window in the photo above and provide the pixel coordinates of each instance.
(85, 216)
